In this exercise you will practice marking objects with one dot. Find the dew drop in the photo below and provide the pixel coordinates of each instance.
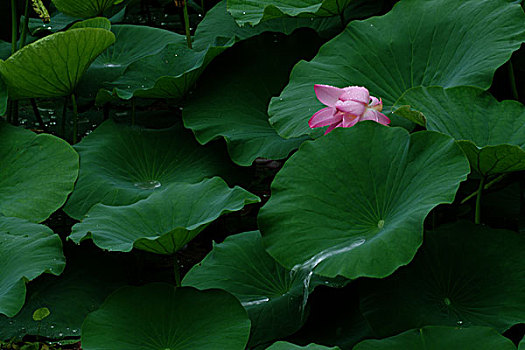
(459, 323)
(243, 12)
(148, 185)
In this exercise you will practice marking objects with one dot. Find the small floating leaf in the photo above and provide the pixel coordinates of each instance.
(41, 313)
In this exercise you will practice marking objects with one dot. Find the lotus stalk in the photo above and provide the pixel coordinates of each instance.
(186, 21)
(477, 217)
(14, 26)
(75, 118)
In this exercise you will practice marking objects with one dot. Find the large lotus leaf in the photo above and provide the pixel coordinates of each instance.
(120, 165)
(274, 297)
(463, 275)
(253, 12)
(425, 43)
(491, 133)
(53, 66)
(165, 221)
(158, 316)
(88, 279)
(37, 173)
(132, 43)
(218, 27)
(231, 100)
(522, 344)
(440, 338)
(352, 203)
(84, 8)
(26, 251)
(170, 73)
(282, 345)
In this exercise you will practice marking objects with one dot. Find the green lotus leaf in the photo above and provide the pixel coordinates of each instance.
(253, 12)
(274, 297)
(158, 316)
(352, 203)
(53, 66)
(165, 221)
(84, 8)
(120, 165)
(38, 173)
(491, 133)
(170, 73)
(132, 44)
(453, 282)
(88, 279)
(218, 27)
(27, 250)
(97, 22)
(231, 100)
(435, 43)
(522, 344)
(440, 338)
(282, 345)
(60, 21)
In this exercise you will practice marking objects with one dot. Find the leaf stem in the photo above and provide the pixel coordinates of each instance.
(187, 23)
(512, 79)
(75, 118)
(9, 117)
(64, 119)
(176, 271)
(25, 27)
(487, 186)
(133, 112)
(37, 115)
(477, 217)
(14, 26)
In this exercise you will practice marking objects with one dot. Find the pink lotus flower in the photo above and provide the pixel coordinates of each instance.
(346, 107)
